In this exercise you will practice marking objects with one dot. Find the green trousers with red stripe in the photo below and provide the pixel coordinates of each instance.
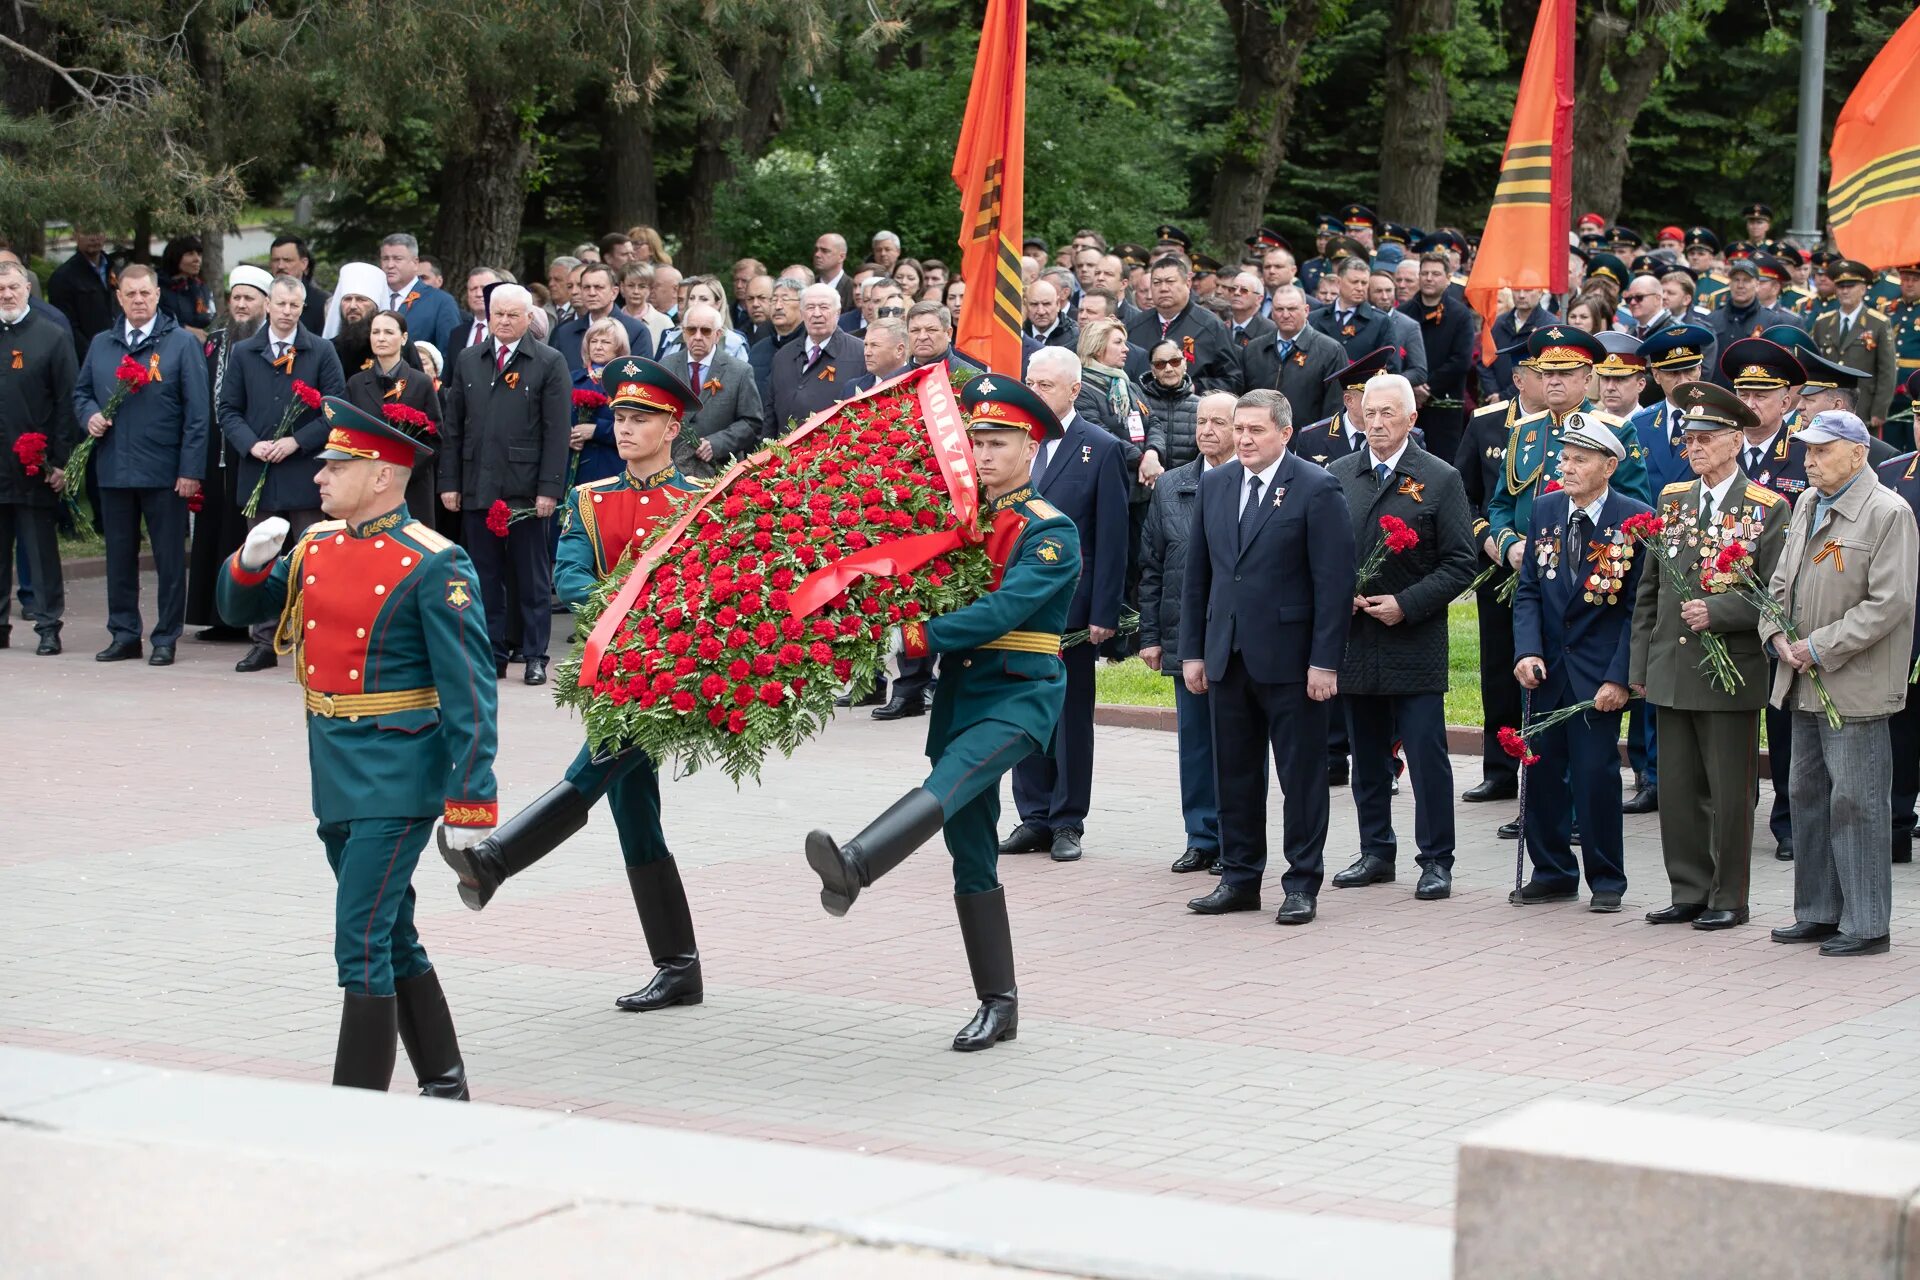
(374, 941)
(966, 780)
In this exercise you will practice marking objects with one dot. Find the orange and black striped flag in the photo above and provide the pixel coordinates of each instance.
(990, 169)
(1524, 245)
(1873, 201)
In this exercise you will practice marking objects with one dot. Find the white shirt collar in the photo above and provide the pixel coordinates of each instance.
(1392, 462)
(1719, 491)
(274, 339)
(511, 348)
(1206, 466)
(1266, 476)
(1593, 508)
(1853, 316)
(404, 290)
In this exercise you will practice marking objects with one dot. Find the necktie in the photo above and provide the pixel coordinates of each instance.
(1240, 334)
(1706, 507)
(1750, 460)
(813, 353)
(1381, 471)
(1251, 512)
(394, 301)
(696, 377)
(500, 361)
(1341, 317)
(1576, 541)
(479, 333)
(279, 351)
(137, 337)
(1846, 327)
(1286, 349)
(1164, 326)
(1040, 462)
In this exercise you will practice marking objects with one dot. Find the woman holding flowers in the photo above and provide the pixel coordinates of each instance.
(591, 438)
(391, 384)
(1841, 624)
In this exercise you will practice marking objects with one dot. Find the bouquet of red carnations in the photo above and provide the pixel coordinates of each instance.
(705, 649)
(305, 399)
(128, 378)
(30, 447)
(1715, 658)
(1733, 572)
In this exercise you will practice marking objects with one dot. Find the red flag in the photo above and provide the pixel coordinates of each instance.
(989, 166)
(1873, 200)
(1525, 242)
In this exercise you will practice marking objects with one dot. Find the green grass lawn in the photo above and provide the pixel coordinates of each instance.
(1131, 684)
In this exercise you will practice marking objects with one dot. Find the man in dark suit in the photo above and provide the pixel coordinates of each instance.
(82, 288)
(1101, 304)
(1264, 629)
(1084, 474)
(884, 351)
(1394, 678)
(1296, 359)
(594, 296)
(1511, 329)
(1213, 359)
(288, 256)
(1446, 327)
(509, 411)
(785, 328)
(1244, 299)
(930, 339)
(812, 373)
(471, 331)
(1047, 320)
(431, 314)
(1351, 320)
(1572, 630)
(728, 423)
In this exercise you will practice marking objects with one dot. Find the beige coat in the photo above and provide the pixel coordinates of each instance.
(1855, 606)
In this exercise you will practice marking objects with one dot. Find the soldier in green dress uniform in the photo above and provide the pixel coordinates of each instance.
(601, 521)
(1002, 686)
(390, 646)
(1564, 355)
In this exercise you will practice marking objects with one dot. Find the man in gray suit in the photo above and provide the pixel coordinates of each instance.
(727, 424)
(504, 438)
(811, 373)
(1298, 361)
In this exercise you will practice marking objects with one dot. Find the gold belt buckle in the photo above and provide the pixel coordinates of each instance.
(326, 706)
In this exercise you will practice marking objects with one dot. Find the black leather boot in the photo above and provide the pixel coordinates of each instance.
(364, 1057)
(523, 840)
(913, 819)
(426, 1031)
(989, 940)
(667, 921)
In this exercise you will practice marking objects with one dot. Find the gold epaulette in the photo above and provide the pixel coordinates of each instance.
(1876, 313)
(325, 526)
(695, 483)
(1678, 486)
(1607, 418)
(603, 480)
(1764, 496)
(426, 535)
(1491, 408)
(1042, 508)
(1526, 419)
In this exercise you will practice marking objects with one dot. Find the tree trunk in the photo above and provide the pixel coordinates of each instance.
(1267, 69)
(140, 247)
(1413, 145)
(1612, 85)
(483, 194)
(629, 198)
(757, 76)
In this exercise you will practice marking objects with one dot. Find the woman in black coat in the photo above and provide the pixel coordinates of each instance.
(183, 295)
(1168, 394)
(391, 380)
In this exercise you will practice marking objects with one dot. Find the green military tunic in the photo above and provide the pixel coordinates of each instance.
(601, 521)
(1709, 738)
(1002, 683)
(1533, 462)
(390, 647)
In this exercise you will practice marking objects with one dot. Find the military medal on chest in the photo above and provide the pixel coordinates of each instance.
(1611, 556)
(1546, 551)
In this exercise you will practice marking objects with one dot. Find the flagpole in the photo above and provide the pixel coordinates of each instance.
(1806, 170)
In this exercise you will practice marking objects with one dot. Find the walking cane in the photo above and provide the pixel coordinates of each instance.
(1520, 845)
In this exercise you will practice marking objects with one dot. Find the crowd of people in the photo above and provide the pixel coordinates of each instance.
(1761, 390)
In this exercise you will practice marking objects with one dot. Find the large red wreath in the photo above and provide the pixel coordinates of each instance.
(730, 633)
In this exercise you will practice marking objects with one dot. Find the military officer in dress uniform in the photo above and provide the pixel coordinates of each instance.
(1002, 686)
(383, 618)
(1903, 313)
(1564, 356)
(602, 520)
(1571, 620)
(1674, 354)
(1482, 464)
(1703, 253)
(1857, 335)
(1902, 475)
(1710, 736)
(1325, 227)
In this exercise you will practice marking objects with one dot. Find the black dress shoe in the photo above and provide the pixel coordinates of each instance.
(1225, 898)
(1491, 789)
(844, 700)
(1436, 882)
(1214, 867)
(1845, 944)
(1509, 830)
(1296, 908)
(875, 696)
(221, 634)
(1783, 852)
(1806, 931)
(536, 672)
(1066, 846)
(258, 658)
(1337, 773)
(118, 651)
(50, 645)
(6, 637)
(1194, 860)
(500, 671)
(162, 656)
(1678, 913)
(1720, 918)
(1645, 800)
(1368, 868)
(899, 708)
(1027, 838)
(1903, 846)
(1533, 893)
(1605, 903)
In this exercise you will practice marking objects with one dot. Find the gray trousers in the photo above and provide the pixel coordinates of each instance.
(1842, 787)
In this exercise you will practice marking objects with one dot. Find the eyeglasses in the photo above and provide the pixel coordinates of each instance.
(1174, 363)
(703, 330)
(895, 312)
(1640, 297)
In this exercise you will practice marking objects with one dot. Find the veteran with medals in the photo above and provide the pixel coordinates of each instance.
(1709, 733)
(1002, 687)
(391, 651)
(601, 522)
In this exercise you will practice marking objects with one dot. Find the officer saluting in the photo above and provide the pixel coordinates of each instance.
(390, 646)
(1002, 686)
(601, 521)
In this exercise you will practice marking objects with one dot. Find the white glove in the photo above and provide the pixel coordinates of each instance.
(263, 543)
(896, 642)
(463, 837)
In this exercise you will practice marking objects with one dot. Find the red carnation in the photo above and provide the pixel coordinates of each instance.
(307, 393)
(712, 687)
(1398, 535)
(1515, 745)
(31, 449)
(772, 692)
(743, 693)
(766, 634)
(499, 516)
(683, 702)
(198, 502)
(678, 643)
(1731, 556)
(1553, 486)
(737, 722)
(710, 649)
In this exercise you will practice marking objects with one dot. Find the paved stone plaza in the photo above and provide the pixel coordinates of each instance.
(164, 900)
